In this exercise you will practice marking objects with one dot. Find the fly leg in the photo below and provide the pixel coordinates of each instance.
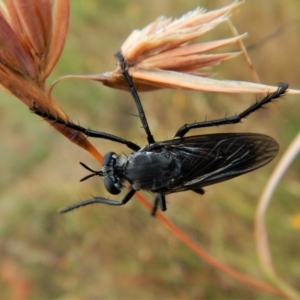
(199, 191)
(88, 132)
(135, 96)
(159, 201)
(95, 200)
(234, 119)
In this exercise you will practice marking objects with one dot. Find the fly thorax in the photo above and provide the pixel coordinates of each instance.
(154, 171)
(113, 166)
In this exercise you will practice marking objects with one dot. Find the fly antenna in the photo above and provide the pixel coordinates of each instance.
(94, 173)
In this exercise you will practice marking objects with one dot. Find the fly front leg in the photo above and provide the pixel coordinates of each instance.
(95, 200)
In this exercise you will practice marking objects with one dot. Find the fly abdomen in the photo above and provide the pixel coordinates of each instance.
(152, 171)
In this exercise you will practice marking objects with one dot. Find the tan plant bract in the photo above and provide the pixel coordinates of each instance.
(161, 56)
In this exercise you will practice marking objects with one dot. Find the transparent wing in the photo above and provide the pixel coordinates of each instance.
(209, 159)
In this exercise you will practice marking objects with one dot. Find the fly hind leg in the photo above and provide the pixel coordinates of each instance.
(234, 119)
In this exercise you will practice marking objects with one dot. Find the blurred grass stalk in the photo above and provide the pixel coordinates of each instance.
(32, 37)
(261, 235)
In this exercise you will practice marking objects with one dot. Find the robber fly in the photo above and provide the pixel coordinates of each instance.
(180, 164)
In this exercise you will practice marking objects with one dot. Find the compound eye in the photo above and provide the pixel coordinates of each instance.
(110, 186)
(107, 158)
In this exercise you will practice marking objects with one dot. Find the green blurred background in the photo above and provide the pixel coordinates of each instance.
(102, 252)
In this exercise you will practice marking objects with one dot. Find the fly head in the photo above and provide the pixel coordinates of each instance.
(112, 180)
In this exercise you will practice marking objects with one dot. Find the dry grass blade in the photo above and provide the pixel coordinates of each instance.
(58, 34)
(32, 36)
(13, 54)
(34, 23)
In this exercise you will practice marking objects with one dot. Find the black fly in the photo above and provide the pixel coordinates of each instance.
(180, 164)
